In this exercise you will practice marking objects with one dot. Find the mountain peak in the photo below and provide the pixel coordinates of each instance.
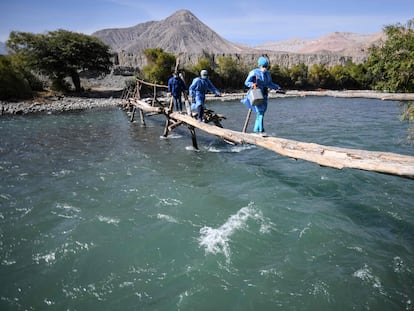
(182, 32)
(184, 14)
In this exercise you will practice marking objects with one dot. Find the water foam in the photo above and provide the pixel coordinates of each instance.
(366, 275)
(233, 149)
(108, 220)
(167, 218)
(216, 241)
(66, 211)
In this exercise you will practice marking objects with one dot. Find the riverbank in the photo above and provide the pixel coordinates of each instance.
(61, 103)
(341, 94)
(111, 98)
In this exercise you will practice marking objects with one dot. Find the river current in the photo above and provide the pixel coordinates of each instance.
(97, 213)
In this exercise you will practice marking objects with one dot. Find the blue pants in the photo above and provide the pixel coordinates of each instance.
(178, 103)
(200, 112)
(258, 125)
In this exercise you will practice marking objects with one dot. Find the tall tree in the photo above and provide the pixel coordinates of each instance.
(159, 67)
(231, 73)
(391, 65)
(319, 76)
(13, 84)
(61, 53)
(299, 75)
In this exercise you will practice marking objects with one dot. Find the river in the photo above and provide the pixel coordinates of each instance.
(97, 213)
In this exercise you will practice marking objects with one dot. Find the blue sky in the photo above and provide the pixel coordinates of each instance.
(249, 22)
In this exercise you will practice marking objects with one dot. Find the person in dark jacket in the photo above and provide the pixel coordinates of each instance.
(176, 87)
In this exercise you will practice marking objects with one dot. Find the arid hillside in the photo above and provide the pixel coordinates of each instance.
(185, 35)
(345, 43)
(181, 32)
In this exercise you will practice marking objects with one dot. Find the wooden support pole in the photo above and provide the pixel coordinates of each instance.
(166, 130)
(187, 103)
(175, 124)
(141, 113)
(171, 106)
(193, 137)
(132, 114)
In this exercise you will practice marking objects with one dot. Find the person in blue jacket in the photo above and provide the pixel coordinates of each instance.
(176, 87)
(198, 89)
(261, 78)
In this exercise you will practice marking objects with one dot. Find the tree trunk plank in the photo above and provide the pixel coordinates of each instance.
(336, 157)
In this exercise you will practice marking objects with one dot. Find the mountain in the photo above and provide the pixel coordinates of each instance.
(291, 45)
(181, 32)
(344, 43)
(184, 34)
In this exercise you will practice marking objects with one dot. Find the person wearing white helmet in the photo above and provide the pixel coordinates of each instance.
(260, 78)
(198, 89)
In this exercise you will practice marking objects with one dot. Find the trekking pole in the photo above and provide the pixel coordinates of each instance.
(187, 103)
(246, 123)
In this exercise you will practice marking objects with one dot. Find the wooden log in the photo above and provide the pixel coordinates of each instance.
(146, 107)
(336, 157)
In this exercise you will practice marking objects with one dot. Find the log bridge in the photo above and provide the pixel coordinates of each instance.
(328, 156)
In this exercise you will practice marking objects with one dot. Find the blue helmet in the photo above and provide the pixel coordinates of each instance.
(262, 61)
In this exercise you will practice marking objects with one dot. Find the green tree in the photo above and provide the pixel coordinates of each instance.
(61, 53)
(207, 64)
(319, 76)
(231, 74)
(159, 66)
(13, 84)
(280, 76)
(350, 76)
(391, 65)
(203, 63)
(299, 75)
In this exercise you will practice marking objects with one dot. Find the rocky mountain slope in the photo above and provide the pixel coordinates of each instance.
(344, 43)
(184, 34)
(181, 32)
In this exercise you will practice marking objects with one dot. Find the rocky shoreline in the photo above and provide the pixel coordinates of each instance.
(57, 104)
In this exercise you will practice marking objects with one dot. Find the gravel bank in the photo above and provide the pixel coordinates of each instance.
(56, 104)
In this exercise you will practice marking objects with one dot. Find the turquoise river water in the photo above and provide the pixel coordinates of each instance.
(97, 213)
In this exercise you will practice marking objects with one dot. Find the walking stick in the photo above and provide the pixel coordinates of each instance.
(246, 123)
(187, 103)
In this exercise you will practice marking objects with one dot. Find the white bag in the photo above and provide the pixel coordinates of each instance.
(255, 96)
